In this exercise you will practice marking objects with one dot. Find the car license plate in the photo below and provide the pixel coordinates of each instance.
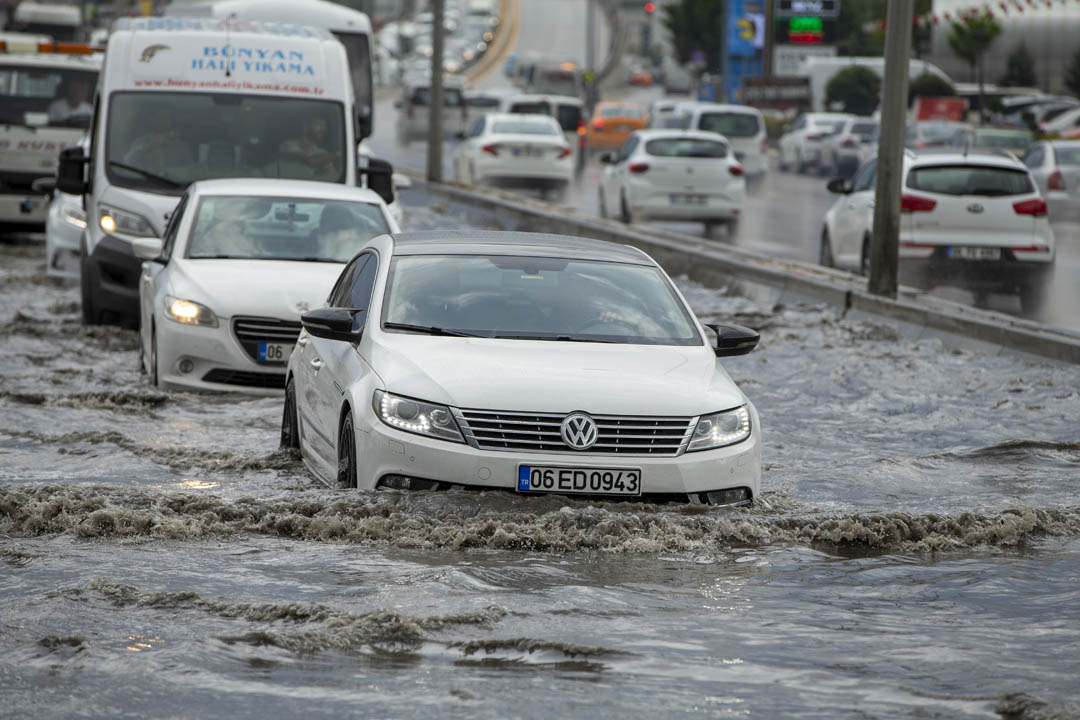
(579, 480)
(526, 152)
(275, 352)
(687, 199)
(975, 253)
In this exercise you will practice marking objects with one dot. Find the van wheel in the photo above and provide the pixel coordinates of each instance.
(90, 313)
(346, 472)
(603, 203)
(825, 257)
(624, 210)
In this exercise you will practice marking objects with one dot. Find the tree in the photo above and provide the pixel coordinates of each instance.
(1020, 68)
(1072, 74)
(972, 37)
(856, 87)
(697, 25)
(929, 85)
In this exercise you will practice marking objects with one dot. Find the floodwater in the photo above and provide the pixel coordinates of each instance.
(916, 552)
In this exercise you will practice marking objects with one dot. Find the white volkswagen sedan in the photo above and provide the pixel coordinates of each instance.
(221, 295)
(528, 362)
(681, 175)
(972, 219)
(512, 150)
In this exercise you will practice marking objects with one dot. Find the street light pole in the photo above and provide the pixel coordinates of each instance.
(435, 110)
(885, 241)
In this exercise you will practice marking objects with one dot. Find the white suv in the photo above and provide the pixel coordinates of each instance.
(973, 220)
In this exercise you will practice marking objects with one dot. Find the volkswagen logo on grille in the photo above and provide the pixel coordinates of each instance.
(579, 431)
(975, 208)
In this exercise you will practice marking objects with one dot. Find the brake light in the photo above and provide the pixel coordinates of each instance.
(639, 167)
(914, 203)
(1031, 248)
(736, 170)
(598, 124)
(491, 149)
(563, 152)
(813, 138)
(849, 142)
(1056, 181)
(581, 126)
(1034, 206)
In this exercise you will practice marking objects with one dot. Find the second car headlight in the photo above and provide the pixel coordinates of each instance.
(187, 312)
(720, 429)
(114, 220)
(416, 416)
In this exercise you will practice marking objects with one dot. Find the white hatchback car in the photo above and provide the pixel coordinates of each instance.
(801, 146)
(526, 151)
(528, 362)
(677, 175)
(973, 220)
(221, 294)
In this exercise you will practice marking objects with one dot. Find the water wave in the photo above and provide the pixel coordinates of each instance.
(385, 519)
(123, 400)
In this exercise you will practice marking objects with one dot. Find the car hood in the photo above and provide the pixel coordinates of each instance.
(541, 376)
(267, 288)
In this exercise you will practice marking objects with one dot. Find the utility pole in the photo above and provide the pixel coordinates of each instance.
(590, 36)
(885, 242)
(435, 126)
(766, 60)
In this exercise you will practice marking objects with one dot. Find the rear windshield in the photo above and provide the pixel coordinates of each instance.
(970, 180)
(523, 127)
(729, 124)
(866, 129)
(686, 147)
(623, 112)
(1067, 155)
(674, 122)
(569, 116)
(451, 97)
(483, 102)
(1002, 140)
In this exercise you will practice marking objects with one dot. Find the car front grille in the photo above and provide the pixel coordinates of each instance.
(541, 432)
(250, 331)
(245, 378)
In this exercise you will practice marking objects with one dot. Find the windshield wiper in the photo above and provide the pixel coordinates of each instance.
(430, 330)
(148, 175)
(553, 338)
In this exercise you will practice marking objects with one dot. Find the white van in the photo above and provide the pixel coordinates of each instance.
(821, 69)
(61, 22)
(181, 100)
(742, 125)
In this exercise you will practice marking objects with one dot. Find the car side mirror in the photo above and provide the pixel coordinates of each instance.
(147, 248)
(331, 323)
(607, 158)
(45, 186)
(70, 174)
(734, 340)
(840, 186)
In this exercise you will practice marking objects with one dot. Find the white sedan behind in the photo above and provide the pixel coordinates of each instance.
(523, 151)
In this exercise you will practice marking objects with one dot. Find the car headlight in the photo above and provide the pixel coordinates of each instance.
(114, 220)
(416, 416)
(73, 215)
(720, 429)
(187, 312)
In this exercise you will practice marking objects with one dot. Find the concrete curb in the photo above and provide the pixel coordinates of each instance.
(917, 314)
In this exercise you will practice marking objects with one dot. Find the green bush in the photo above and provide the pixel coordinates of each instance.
(929, 85)
(856, 88)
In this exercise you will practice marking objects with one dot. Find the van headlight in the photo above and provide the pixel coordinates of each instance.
(113, 220)
(187, 312)
(416, 416)
(720, 429)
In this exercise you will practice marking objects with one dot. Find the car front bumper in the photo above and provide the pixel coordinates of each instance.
(27, 211)
(389, 454)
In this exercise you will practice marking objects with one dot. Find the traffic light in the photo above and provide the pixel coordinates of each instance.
(650, 7)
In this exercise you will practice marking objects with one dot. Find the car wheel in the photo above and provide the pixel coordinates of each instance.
(710, 228)
(153, 357)
(603, 203)
(346, 467)
(732, 227)
(1033, 296)
(864, 259)
(624, 210)
(825, 257)
(800, 164)
(290, 425)
(142, 352)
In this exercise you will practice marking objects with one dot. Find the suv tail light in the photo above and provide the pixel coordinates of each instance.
(1056, 181)
(736, 170)
(914, 203)
(1034, 206)
(598, 124)
(639, 167)
(491, 149)
(849, 142)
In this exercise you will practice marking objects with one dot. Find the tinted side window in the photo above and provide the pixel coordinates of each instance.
(627, 149)
(339, 295)
(866, 178)
(362, 282)
(1034, 157)
(168, 239)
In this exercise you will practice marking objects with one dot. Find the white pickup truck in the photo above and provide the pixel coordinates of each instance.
(46, 101)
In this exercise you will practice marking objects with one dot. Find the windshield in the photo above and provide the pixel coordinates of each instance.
(729, 124)
(46, 96)
(451, 97)
(161, 142)
(1003, 140)
(358, 54)
(537, 298)
(283, 228)
(686, 147)
(970, 180)
(622, 111)
(524, 127)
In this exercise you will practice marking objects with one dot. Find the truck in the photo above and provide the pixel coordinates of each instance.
(45, 106)
(186, 99)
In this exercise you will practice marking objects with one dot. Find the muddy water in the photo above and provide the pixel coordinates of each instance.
(916, 552)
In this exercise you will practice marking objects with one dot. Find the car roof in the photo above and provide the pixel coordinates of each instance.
(655, 133)
(489, 242)
(523, 116)
(953, 156)
(282, 187)
(725, 107)
(541, 97)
